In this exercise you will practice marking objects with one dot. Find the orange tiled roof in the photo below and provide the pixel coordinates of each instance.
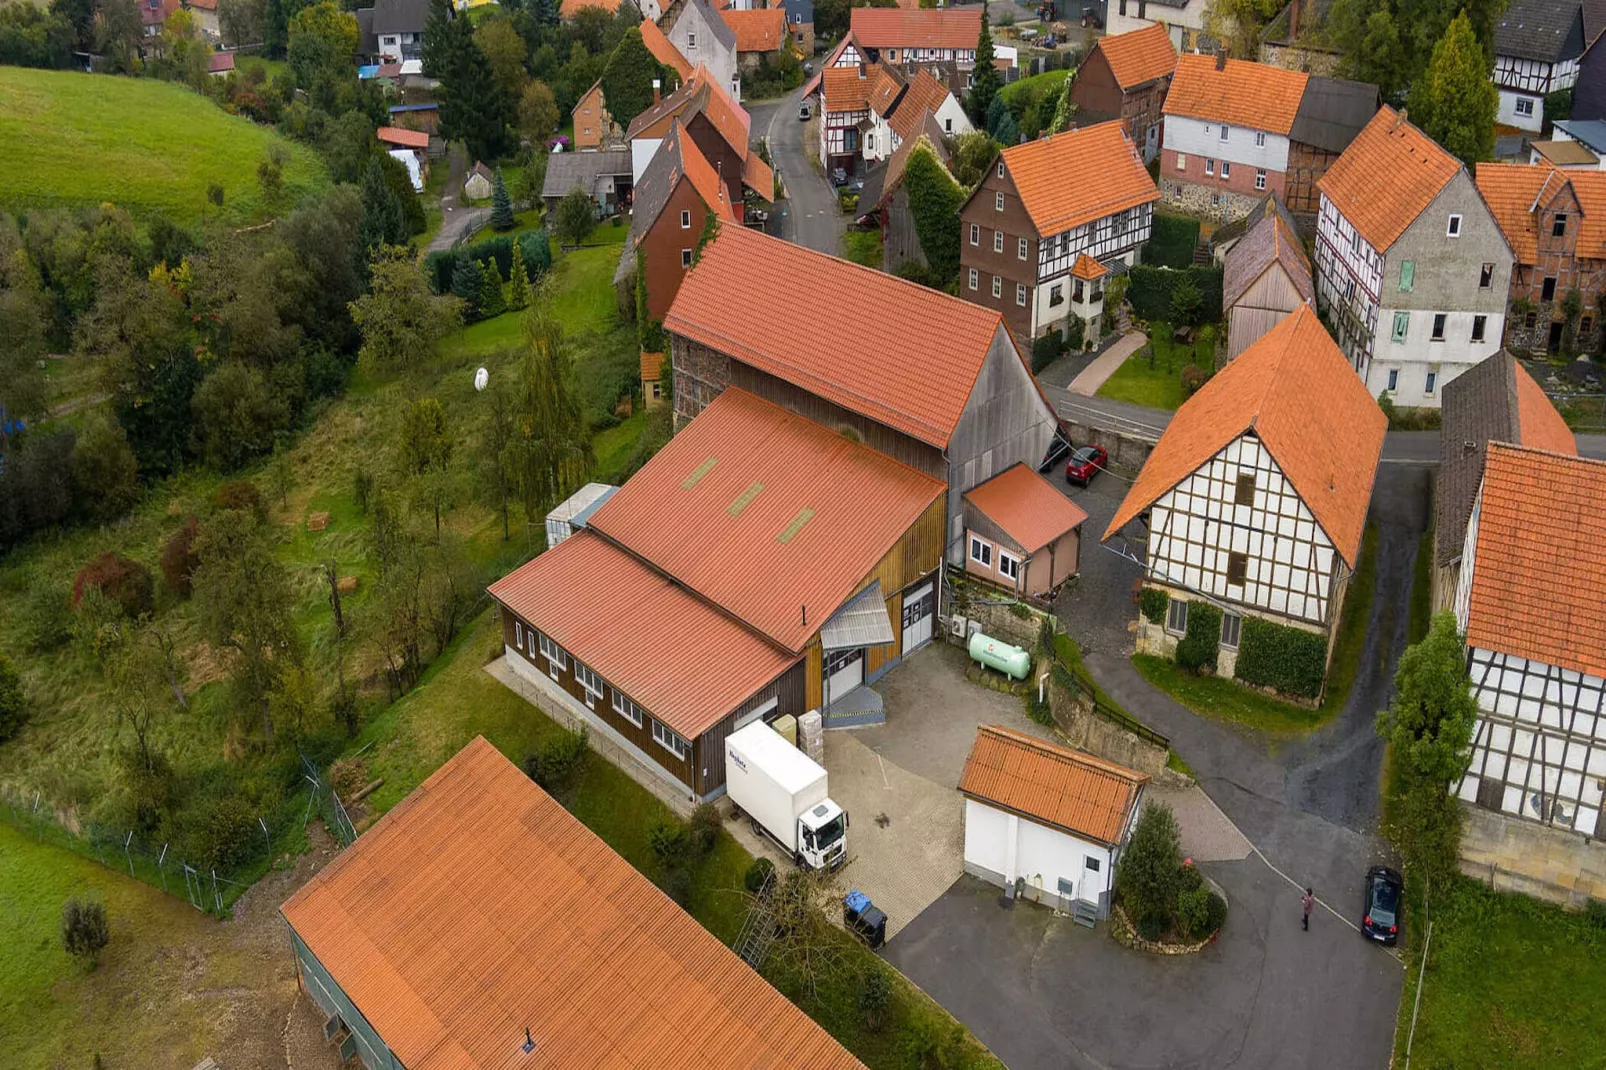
(1079, 176)
(1051, 784)
(395, 135)
(663, 49)
(759, 176)
(890, 27)
(581, 590)
(1516, 192)
(1538, 422)
(789, 516)
(1088, 268)
(1255, 95)
(758, 29)
(926, 93)
(1387, 176)
(699, 172)
(569, 8)
(1139, 56)
(479, 907)
(913, 374)
(1311, 411)
(1026, 506)
(845, 89)
(886, 85)
(1540, 562)
(699, 93)
(652, 366)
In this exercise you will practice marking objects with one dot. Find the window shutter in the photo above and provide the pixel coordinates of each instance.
(1407, 275)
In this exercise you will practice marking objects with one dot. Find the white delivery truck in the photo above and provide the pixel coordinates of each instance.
(783, 790)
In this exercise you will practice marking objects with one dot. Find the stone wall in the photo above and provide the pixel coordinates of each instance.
(1086, 730)
(1206, 202)
(1128, 450)
(996, 621)
(1510, 854)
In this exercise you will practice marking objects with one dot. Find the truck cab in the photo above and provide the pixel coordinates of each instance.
(821, 836)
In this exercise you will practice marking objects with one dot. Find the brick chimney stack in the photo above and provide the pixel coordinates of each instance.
(1221, 59)
(655, 91)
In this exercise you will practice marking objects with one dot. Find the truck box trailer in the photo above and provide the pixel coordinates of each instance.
(784, 791)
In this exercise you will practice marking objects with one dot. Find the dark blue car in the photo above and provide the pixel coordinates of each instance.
(1380, 919)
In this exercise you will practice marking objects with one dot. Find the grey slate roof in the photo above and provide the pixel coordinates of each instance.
(1480, 406)
(566, 170)
(1332, 112)
(1546, 30)
(400, 16)
(1591, 132)
(367, 40)
(651, 194)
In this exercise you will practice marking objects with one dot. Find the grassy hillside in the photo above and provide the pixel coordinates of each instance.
(75, 139)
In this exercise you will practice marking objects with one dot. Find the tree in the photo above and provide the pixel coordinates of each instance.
(934, 201)
(1008, 131)
(122, 580)
(439, 37)
(1454, 102)
(504, 50)
(322, 40)
(1239, 23)
(347, 145)
(105, 474)
(974, 153)
(425, 450)
(400, 319)
(1429, 727)
(474, 109)
(467, 282)
(1389, 42)
(575, 217)
(1187, 304)
(118, 31)
(518, 288)
(270, 174)
(987, 80)
(275, 28)
(627, 79)
(499, 455)
(501, 205)
(237, 415)
(13, 710)
(382, 222)
(551, 451)
(996, 110)
(178, 560)
(85, 931)
(1146, 879)
(241, 22)
(538, 114)
(492, 302)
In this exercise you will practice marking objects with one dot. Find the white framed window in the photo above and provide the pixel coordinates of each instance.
(685, 219)
(1452, 229)
(1210, 165)
(588, 680)
(998, 241)
(685, 258)
(1008, 565)
(1223, 131)
(1260, 180)
(1226, 168)
(669, 741)
(1432, 381)
(975, 234)
(981, 552)
(1394, 379)
(973, 278)
(1182, 161)
(1176, 616)
(626, 708)
(518, 636)
(1020, 248)
(1020, 294)
(1525, 106)
(1260, 139)
(1231, 628)
(998, 198)
(1000, 175)
(998, 286)
(554, 654)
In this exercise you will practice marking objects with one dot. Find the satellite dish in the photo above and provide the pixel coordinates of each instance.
(481, 377)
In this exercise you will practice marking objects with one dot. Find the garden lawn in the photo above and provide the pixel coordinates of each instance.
(863, 247)
(76, 139)
(1159, 386)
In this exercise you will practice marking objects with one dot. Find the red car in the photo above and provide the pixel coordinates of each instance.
(1084, 464)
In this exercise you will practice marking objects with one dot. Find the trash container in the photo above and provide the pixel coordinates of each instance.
(864, 918)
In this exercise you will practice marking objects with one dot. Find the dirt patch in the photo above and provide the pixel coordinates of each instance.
(317, 521)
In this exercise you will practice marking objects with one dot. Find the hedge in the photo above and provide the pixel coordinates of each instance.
(1153, 602)
(537, 257)
(1291, 660)
(1151, 288)
(1200, 644)
(1171, 241)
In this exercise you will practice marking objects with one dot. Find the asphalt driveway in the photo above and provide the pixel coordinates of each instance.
(809, 215)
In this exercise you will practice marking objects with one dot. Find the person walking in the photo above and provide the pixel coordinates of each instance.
(1307, 901)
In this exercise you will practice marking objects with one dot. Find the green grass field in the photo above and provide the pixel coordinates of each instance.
(77, 139)
(1159, 386)
(863, 247)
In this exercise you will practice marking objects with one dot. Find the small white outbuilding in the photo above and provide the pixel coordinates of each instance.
(1050, 816)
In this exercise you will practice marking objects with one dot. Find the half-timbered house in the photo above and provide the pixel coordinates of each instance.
(1528, 602)
(844, 111)
(899, 102)
(1125, 77)
(1332, 113)
(939, 385)
(1496, 401)
(1040, 206)
(753, 568)
(1412, 269)
(1256, 498)
(1537, 45)
(919, 35)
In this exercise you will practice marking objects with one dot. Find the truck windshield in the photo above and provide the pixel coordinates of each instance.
(830, 833)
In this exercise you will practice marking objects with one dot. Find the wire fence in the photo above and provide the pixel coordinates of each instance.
(161, 863)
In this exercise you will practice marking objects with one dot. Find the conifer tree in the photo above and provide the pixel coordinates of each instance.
(987, 79)
(1454, 102)
(518, 290)
(501, 205)
(492, 302)
(466, 284)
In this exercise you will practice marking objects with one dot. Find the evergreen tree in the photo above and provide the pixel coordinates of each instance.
(492, 302)
(996, 110)
(1008, 133)
(501, 205)
(987, 79)
(275, 29)
(518, 290)
(474, 109)
(466, 284)
(545, 12)
(627, 79)
(382, 222)
(439, 36)
(1454, 102)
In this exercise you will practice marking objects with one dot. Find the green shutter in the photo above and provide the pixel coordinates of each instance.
(1402, 320)
(1407, 275)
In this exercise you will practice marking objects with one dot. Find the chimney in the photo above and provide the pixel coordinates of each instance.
(1293, 22)
(1221, 59)
(655, 84)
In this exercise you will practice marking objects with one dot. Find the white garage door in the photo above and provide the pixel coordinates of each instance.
(844, 670)
(918, 607)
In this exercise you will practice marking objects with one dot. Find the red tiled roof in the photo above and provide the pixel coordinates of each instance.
(759, 176)
(663, 49)
(914, 373)
(1539, 565)
(1051, 784)
(1026, 506)
(1088, 268)
(409, 139)
(652, 366)
(1078, 176)
(585, 591)
(1538, 423)
(846, 89)
(479, 908)
(1139, 56)
(812, 86)
(1388, 175)
(699, 172)
(220, 62)
(1255, 95)
(569, 8)
(758, 29)
(1516, 194)
(890, 27)
(770, 516)
(1311, 411)
(926, 93)
(699, 93)
(886, 85)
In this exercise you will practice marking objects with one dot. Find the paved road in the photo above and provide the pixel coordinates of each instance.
(457, 221)
(809, 215)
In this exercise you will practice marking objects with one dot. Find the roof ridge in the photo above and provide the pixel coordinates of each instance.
(1055, 750)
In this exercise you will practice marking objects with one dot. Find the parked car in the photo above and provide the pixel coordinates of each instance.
(1059, 448)
(1380, 918)
(804, 111)
(1084, 464)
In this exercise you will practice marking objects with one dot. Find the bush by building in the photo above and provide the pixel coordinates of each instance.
(1291, 660)
(1152, 288)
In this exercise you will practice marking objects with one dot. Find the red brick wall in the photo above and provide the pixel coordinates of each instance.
(1240, 179)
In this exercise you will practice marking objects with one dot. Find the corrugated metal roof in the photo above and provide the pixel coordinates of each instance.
(862, 622)
(1026, 506)
(681, 659)
(768, 515)
(1058, 786)
(479, 908)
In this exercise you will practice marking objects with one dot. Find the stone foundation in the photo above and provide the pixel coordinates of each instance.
(1511, 854)
(1206, 202)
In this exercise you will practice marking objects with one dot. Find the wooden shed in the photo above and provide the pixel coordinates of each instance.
(1265, 277)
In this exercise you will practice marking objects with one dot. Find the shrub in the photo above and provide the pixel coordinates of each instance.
(1045, 349)
(85, 932)
(46, 615)
(1075, 333)
(105, 475)
(704, 829)
(757, 874)
(933, 1042)
(1171, 241)
(1595, 913)
(1038, 709)
(1186, 303)
(1215, 913)
(218, 831)
(670, 841)
(1290, 660)
(240, 496)
(12, 710)
(1193, 912)
(559, 762)
(237, 413)
(574, 217)
(1198, 648)
(1147, 877)
(123, 580)
(533, 244)
(1193, 377)
(875, 996)
(1150, 289)
(1153, 602)
(179, 559)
